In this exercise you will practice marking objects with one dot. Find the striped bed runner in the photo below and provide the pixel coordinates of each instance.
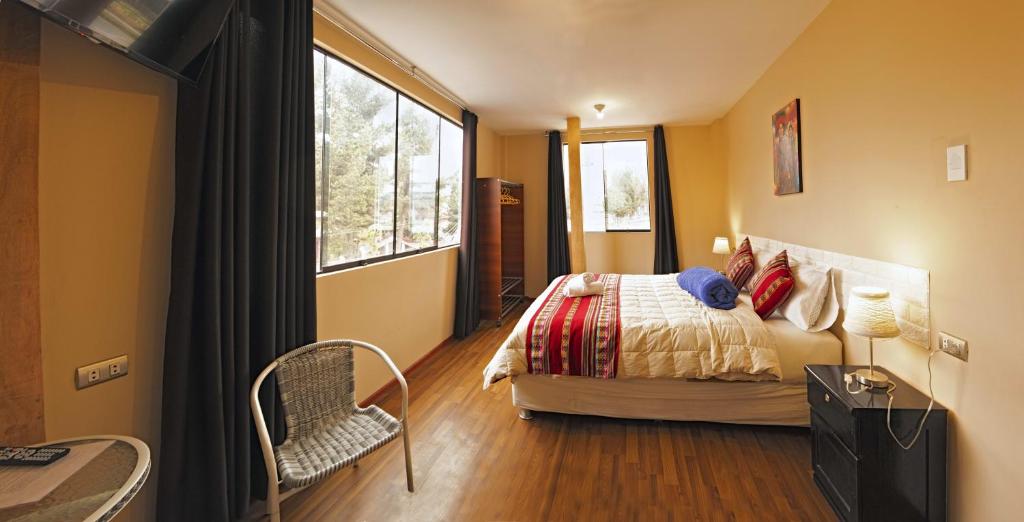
(576, 335)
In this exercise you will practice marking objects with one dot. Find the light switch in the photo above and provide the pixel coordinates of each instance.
(956, 163)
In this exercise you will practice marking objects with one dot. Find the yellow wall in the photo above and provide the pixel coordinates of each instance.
(524, 159)
(406, 306)
(884, 87)
(106, 194)
(697, 178)
(489, 148)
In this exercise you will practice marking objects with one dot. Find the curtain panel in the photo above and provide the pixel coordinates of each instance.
(467, 307)
(558, 232)
(666, 258)
(243, 268)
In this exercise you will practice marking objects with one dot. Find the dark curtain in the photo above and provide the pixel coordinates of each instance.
(467, 307)
(558, 231)
(242, 266)
(666, 259)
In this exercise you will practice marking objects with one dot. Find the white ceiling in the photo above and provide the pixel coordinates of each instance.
(525, 65)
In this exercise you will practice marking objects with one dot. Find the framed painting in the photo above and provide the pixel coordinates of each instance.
(786, 149)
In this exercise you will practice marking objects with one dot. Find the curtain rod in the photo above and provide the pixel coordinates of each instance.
(343, 22)
(598, 132)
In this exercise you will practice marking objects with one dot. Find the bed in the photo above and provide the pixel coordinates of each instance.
(677, 360)
(781, 402)
(770, 392)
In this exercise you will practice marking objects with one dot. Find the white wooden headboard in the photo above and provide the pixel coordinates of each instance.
(908, 286)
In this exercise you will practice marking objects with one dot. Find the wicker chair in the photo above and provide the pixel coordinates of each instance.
(326, 429)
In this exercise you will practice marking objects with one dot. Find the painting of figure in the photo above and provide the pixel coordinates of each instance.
(786, 149)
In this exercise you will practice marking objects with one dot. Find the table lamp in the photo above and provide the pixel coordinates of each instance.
(869, 314)
(721, 247)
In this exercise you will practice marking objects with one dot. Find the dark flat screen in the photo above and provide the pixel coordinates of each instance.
(171, 36)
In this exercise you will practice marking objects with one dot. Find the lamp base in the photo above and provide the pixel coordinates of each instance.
(871, 378)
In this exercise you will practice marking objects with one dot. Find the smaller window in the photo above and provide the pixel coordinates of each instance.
(613, 177)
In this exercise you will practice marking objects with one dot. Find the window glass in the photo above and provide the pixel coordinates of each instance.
(592, 183)
(625, 179)
(373, 202)
(449, 196)
(359, 148)
(318, 145)
(613, 176)
(418, 130)
(565, 180)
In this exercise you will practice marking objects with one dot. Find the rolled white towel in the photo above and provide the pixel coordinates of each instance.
(583, 279)
(577, 288)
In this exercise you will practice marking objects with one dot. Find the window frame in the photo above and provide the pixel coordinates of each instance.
(604, 186)
(325, 192)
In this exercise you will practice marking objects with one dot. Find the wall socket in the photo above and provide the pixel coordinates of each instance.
(953, 345)
(95, 373)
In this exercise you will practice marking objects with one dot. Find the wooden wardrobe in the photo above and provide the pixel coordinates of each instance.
(499, 231)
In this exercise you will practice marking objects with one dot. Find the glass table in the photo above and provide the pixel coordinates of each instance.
(96, 491)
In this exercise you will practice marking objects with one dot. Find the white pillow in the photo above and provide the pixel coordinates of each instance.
(813, 286)
(763, 256)
(830, 310)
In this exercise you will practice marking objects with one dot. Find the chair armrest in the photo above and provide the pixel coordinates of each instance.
(394, 370)
(261, 427)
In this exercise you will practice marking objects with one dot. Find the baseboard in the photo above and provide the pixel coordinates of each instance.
(393, 383)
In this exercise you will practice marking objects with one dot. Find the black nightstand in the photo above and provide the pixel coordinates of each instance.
(863, 473)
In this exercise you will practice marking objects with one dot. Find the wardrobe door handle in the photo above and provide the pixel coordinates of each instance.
(828, 398)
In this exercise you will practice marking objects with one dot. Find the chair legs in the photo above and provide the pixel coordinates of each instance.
(273, 503)
(408, 457)
(274, 494)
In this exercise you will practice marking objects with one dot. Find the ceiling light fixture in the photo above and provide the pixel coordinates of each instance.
(600, 110)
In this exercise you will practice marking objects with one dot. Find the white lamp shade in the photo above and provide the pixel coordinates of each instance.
(721, 246)
(869, 313)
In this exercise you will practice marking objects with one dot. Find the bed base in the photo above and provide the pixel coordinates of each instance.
(763, 403)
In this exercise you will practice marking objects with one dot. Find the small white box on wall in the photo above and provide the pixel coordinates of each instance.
(956, 163)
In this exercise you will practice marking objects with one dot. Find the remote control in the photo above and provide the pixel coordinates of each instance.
(14, 456)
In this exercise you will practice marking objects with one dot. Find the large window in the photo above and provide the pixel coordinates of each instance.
(613, 175)
(389, 170)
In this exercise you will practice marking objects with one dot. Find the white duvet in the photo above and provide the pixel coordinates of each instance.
(666, 332)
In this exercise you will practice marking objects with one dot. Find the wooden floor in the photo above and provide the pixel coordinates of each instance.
(474, 459)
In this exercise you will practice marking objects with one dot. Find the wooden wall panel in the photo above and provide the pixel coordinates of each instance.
(21, 377)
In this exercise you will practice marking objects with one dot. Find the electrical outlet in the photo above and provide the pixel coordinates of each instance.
(96, 373)
(953, 345)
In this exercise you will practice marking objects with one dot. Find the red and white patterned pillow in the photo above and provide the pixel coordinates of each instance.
(772, 285)
(741, 264)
